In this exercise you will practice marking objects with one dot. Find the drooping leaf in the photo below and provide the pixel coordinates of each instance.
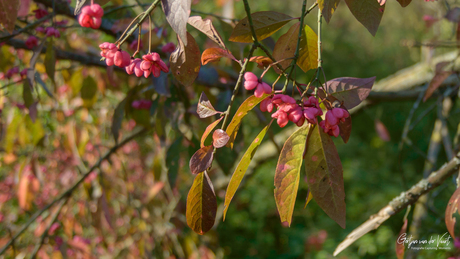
(265, 24)
(441, 74)
(246, 106)
(206, 27)
(382, 131)
(215, 54)
(185, 61)
(400, 245)
(208, 130)
(287, 175)
(27, 94)
(50, 60)
(452, 207)
(177, 13)
(328, 8)
(201, 160)
(8, 13)
(404, 3)
(219, 138)
(89, 88)
(308, 49)
(28, 186)
(345, 128)
(349, 90)
(368, 12)
(242, 167)
(39, 80)
(204, 107)
(117, 119)
(261, 61)
(172, 160)
(201, 204)
(325, 175)
(33, 111)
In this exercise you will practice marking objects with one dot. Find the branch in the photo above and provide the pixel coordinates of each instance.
(69, 191)
(402, 201)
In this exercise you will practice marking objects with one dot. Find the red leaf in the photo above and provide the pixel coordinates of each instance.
(327, 8)
(177, 13)
(399, 244)
(215, 54)
(201, 204)
(325, 175)
(368, 12)
(208, 130)
(439, 77)
(206, 27)
(382, 131)
(452, 207)
(349, 90)
(185, 61)
(205, 108)
(219, 138)
(201, 160)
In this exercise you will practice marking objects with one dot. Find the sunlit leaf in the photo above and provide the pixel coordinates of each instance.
(452, 207)
(308, 49)
(117, 119)
(242, 167)
(261, 61)
(246, 106)
(177, 13)
(185, 61)
(28, 186)
(265, 24)
(368, 12)
(8, 13)
(50, 60)
(204, 107)
(349, 90)
(325, 175)
(219, 138)
(308, 199)
(328, 8)
(208, 130)
(400, 245)
(206, 27)
(287, 175)
(215, 54)
(201, 204)
(201, 160)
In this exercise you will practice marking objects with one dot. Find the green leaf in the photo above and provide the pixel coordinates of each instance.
(172, 160)
(117, 119)
(265, 24)
(201, 204)
(368, 12)
(328, 8)
(186, 61)
(88, 91)
(349, 90)
(287, 173)
(208, 130)
(308, 49)
(325, 175)
(27, 94)
(50, 60)
(246, 106)
(242, 167)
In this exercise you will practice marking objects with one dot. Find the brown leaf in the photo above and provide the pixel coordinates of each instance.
(439, 77)
(185, 61)
(205, 108)
(177, 13)
(265, 24)
(452, 207)
(262, 62)
(215, 54)
(327, 8)
(208, 130)
(349, 90)
(28, 186)
(368, 12)
(8, 13)
(201, 160)
(219, 138)
(400, 245)
(404, 3)
(382, 131)
(345, 128)
(206, 27)
(201, 204)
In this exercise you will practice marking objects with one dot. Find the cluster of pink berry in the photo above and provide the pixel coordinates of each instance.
(91, 16)
(12, 72)
(253, 82)
(141, 104)
(333, 117)
(49, 31)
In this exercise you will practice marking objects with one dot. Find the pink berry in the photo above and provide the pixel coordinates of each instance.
(31, 42)
(266, 105)
(91, 16)
(40, 13)
(168, 48)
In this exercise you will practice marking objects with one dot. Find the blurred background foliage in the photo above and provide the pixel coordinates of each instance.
(134, 206)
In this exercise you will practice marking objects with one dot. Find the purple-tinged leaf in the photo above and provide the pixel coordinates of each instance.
(202, 159)
(325, 175)
(349, 90)
(242, 167)
(208, 130)
(368, 12)
(185, 61)
(219, 138)
(205, 108)
(287, 175)
(328, 8)
(265, 24)
(201, 204)
(440, 76)
(400, 245)
(206, 27)
(177, 13)
(33, 112)
(345, 128)
(452, 207)
(246, 106)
